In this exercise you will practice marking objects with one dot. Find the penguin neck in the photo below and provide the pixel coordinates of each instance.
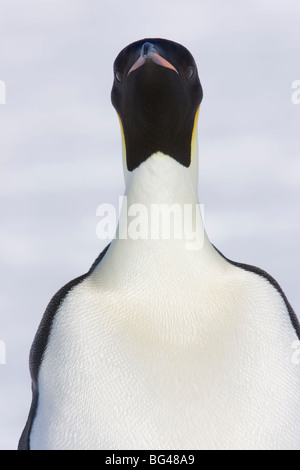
(140, 250)
(162, 180)
(163, 187)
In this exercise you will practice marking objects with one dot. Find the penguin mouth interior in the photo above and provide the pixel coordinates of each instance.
(156, 58)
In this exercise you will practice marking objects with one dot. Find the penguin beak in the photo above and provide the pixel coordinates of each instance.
(149, 52)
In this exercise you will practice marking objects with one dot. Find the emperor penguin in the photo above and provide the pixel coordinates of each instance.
(165, 343)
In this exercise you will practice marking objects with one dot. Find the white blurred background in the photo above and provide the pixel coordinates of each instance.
(60, 146)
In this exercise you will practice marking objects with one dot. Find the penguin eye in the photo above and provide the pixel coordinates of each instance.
(189, 72)
(119, 77)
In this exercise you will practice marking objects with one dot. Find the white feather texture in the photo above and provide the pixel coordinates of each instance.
(167, 348)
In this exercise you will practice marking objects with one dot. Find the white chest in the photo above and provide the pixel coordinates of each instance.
(184, 362)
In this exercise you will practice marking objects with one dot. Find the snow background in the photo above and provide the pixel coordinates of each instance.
(60, 146)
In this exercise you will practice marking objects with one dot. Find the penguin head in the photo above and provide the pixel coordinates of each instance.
(156, 93)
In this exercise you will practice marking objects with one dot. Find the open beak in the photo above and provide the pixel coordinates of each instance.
(150, 52)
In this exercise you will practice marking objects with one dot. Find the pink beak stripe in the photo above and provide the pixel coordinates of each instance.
(156, 58)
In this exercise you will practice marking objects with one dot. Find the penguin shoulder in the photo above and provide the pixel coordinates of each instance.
(263, 294)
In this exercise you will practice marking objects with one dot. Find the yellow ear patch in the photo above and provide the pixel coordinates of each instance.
(123, 135)
(123, 147)
(195, 129)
